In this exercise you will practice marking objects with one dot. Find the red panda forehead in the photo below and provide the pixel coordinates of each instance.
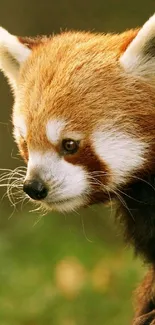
(75, 49)
(73, 91)
(67, 60)
(76, 78)
(73, 75)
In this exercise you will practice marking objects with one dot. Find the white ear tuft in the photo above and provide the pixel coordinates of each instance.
(12, 54)
(139, 58)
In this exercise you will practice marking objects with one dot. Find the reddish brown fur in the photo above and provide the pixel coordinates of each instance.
(81, 71)
(128, 38)
(93, 83)
(23, 149)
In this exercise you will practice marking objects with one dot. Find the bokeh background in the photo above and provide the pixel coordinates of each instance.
(63, 269)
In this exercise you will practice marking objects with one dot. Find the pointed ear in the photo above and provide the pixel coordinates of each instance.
(139, 57)
(13, 52)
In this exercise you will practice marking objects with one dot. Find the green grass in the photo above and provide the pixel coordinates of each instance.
(64, 271)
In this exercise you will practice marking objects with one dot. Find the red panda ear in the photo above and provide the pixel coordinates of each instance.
(139, 57)
(31, 43)
(13, 52)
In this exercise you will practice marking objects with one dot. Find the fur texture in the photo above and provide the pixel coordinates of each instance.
(98, 93)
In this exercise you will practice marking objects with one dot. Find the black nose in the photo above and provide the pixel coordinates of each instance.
(35, 189)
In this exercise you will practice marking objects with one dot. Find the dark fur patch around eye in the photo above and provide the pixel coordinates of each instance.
(87, 158)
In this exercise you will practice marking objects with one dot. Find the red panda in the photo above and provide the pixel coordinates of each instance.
(84, 122)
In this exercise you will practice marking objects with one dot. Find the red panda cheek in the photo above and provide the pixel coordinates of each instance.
(23, 149)
(87, 158)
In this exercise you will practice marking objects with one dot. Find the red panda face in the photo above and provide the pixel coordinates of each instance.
(80, 117)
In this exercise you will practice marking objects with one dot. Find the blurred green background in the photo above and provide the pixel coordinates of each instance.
(63, 269)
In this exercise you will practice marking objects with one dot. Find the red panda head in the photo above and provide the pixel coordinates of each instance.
(84, 112)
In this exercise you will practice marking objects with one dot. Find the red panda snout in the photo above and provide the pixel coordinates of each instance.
(91, 172)
(35, 189)
(77, 167)
(63, 186)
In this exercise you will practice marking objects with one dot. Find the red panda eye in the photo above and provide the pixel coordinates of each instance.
(70, 146)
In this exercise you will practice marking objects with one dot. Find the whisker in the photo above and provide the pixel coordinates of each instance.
(143, 180)
(12, 180)
(111, 206)
(84, 231)
(123, 203)
(130, 197)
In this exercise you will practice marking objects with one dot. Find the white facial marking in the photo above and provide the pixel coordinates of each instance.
(120, 152)
(66, 182)
(20, 128)
(54, 129)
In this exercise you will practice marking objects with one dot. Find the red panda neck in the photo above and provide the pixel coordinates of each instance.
(139, 217)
